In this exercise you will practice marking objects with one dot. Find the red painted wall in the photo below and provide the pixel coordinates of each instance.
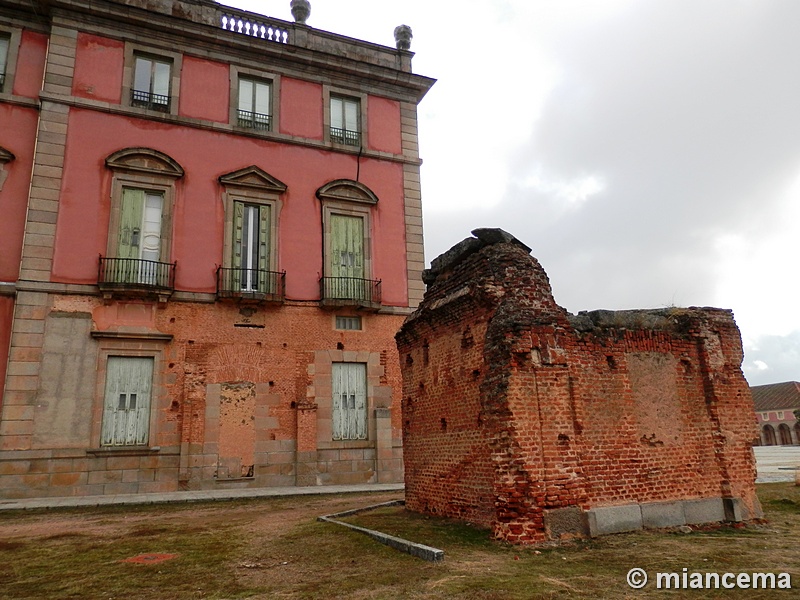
(205, 89)
(198, 214)
(98, 68)
(301, 108)
(17, 135)
(383, 116)
(30, 64)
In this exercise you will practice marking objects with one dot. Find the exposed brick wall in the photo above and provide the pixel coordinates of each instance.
(524, 418)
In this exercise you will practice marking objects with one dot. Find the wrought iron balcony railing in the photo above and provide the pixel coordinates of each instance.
(135, 274)
(149, 100)
(345, 136)
(251, 283)
(343, 291)
(253, 120)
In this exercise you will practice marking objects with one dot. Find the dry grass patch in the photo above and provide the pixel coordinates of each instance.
(274, 548)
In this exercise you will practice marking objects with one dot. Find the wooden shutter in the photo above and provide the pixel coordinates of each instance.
(263, 237)
(238, 227)
(347, 246)
(349, 401)
(126, 412)
(130, 223)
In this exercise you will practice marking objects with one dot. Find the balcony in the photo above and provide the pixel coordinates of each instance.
(350, 291)
(345, 136)
(253, 120)
(253, 285)
(134, 276)
(149, 100)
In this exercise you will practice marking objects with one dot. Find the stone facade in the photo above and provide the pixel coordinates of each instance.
(544, 425)
(241, 392)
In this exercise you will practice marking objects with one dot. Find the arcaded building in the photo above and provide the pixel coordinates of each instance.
(542, 425)
(211, 232)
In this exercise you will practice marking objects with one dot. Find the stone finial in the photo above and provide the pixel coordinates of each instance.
(402, 37)
(301, 9)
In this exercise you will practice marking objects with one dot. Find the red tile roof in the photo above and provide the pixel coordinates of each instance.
(776, 396)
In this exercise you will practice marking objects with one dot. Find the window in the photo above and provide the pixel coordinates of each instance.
(251, 199)
(255, 99)
(348, 323)
(346, 216)
(251, 246)
(126, 408)
(349, 401)
(345, 121)
(142, 193)
(4, 44)
(151, 83)
(139, 240)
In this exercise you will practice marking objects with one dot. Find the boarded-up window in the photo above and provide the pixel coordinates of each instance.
(126, 413)
(349, 401)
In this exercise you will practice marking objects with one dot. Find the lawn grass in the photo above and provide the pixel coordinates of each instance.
(274, 548)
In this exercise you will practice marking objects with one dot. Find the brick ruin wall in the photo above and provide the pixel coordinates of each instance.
(544, 425)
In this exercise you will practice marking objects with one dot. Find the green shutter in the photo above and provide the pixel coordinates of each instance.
(263, 238)
(357, 245)
(130, 223)
(238, 224)
(347, 246)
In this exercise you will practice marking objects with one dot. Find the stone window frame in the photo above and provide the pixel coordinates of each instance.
(273, 79)
(351, 199)
(143, 169)
(327, 92)
(14, 37)
(139, 347)
(6, 156)
(323, 399)
(132, 50)
(251, 185)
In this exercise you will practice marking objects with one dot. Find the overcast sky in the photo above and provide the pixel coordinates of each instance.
(647, 150)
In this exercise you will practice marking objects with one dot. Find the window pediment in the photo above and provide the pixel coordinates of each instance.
(347, 190)
(253, 177)
(144, 160)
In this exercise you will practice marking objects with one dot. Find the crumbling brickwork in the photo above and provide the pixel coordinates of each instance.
(545, 425)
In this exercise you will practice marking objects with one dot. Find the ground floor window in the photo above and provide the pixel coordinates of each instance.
(126, 409)
(349, 401)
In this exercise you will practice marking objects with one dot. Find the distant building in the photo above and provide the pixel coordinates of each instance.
(211, 231)
(775, 404)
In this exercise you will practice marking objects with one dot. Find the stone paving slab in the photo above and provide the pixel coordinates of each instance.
(194, 496)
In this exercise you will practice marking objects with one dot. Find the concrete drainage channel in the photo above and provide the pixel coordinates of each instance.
(412, 548)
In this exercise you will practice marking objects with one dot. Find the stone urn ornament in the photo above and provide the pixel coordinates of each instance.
(300, 10)
(402, 37)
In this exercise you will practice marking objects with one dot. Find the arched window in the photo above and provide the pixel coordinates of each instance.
(768, 436)
(785, 434)
(797, 433)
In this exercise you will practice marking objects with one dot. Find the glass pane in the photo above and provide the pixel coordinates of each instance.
(3, 54)
(262, 98)
(161, 79)
(141, 77)
(336, 113)
(351, 115)
(122, 403)
(246, 95)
